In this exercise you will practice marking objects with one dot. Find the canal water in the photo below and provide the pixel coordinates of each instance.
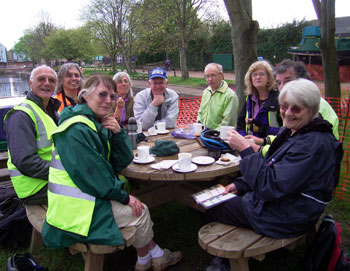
(13, 84)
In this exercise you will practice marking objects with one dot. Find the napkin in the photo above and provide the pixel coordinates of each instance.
(165, 164)
(233, 159)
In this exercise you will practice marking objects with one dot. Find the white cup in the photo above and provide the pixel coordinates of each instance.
(197, 128)
(223, 131)
(139, 127)
(160, 126)
(185, 161)
(143, 153)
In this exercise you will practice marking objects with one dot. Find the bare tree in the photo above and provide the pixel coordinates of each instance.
(325, 11)
(244, 40)
(186, 21)
(110, 21)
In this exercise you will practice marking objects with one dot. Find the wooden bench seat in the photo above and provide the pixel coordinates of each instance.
(93, 254)
(239, 244)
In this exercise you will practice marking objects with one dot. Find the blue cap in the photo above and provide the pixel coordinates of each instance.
(158, 72)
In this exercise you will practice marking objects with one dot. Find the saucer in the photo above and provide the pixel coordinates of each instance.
(203, 160)
(162, 132)
(150, 160)
(177, 169)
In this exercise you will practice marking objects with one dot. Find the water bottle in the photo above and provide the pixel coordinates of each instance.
(132, 127)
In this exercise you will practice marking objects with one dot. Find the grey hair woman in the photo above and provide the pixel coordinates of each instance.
(69, 83)
(90, 149)
(125, 103)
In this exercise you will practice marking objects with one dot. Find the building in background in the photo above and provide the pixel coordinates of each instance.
(3, 56)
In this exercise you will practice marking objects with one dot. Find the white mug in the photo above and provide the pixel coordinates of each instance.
(143, 153)
(185, 161)
(197, 128)
(160, 126)
(223, 131)
(139, 127)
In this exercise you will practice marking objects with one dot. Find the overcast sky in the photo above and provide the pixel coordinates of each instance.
(18, 15)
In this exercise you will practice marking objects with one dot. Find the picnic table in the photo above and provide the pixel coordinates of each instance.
(161, 186)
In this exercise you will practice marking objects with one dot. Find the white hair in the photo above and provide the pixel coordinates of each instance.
(31, 78)
(303, 93)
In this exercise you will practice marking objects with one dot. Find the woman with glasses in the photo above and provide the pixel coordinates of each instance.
(125, 102)
(283, 194)
(260, 114)
(69, 82)
(87, 202)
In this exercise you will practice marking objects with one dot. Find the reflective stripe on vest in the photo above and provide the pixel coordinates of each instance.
(273, 119)
(26, 186)
(70, 209)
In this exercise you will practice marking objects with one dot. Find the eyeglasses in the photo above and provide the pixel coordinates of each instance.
(208, 76)
(260, 74)
(123, 81)
(71, 75)
(42, 79)
(102, 95)
(294, 109)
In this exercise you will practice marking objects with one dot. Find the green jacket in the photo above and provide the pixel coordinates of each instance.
(84, 154)
(218, 108)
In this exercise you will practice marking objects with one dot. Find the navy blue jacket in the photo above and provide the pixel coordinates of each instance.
(287, 191)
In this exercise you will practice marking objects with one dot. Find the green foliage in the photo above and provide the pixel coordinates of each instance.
(273, 44)
(71, 44)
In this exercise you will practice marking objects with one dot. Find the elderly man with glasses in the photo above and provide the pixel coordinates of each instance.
(219, 104)
(28, 129)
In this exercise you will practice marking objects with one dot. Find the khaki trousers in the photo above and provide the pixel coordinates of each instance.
(143, 223)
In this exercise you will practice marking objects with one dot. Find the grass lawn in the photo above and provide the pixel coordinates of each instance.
(176, 227)
(191, 82)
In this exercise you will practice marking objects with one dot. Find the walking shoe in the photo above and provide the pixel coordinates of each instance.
(168, 258)
(143, 267)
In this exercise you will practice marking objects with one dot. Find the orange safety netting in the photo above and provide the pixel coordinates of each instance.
(341, 107)
(188, 109)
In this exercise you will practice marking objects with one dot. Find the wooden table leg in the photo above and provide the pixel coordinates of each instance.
(240, 264)
(93, 262)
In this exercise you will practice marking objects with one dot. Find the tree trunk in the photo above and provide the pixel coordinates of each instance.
(183, 63)
(325, 11)
(126, 60)
(244, 40)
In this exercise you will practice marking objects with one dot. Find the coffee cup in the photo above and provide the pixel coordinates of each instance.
(160, 126)
(139, 127)
(224, 130)
(185, 160)
(143, 153)
(197, 128)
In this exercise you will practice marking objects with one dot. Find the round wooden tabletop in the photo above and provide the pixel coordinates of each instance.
(203, 172)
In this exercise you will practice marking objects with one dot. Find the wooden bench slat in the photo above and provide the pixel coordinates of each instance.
(212, 232)
(233, 244)
(267, 244)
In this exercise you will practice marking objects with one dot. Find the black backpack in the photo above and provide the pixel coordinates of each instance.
(325, 253)
(15, 228)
